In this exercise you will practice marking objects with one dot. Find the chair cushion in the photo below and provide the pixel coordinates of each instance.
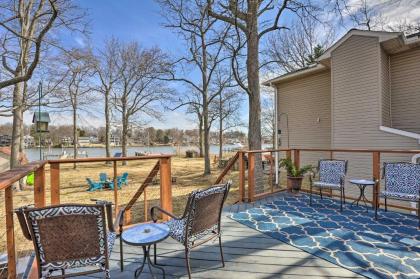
(400, 196)
(111, 240)
(320, 184)
(332, 171)
(177, 229)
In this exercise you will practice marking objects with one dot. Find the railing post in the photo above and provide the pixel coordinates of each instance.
(289, 154)
(55, 183)
(10, 233)
(376, 169)
(251, 176)
(115, 188)
(39, 187)
(241, 176)
(165, 185)
(296, 157)
(145, 207)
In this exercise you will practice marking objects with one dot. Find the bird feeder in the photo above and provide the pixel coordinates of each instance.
(41, 121)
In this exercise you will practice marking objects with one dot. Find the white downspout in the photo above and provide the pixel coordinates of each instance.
(276, 136)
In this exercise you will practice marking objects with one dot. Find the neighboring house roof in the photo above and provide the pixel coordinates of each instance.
(392, 41)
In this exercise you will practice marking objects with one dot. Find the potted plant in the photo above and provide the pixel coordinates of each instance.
(294, 174)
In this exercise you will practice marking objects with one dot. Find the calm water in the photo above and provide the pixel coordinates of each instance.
(33, 153)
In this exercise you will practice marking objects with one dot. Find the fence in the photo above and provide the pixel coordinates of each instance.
(40, 191)
(363, 162)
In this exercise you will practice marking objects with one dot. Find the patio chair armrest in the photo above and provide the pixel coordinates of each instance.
(154, 217)
(119, 221)
(108, 209)
(342, 180)
(20, 212)
(312, 174)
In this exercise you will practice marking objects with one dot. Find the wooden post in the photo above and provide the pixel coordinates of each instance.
(241, 176)
(55, 183)
(165, 185)
(289, 154)
(10, 233)
(331, 158)
(251, 176)
(146, 211)
(39, 187)
(376, 169)
(296, 157)
(115, 188)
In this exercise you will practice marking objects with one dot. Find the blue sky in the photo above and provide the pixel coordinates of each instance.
(130, 20)
(141, 21)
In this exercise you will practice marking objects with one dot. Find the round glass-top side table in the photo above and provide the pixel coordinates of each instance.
(145, 235)
(362, 184)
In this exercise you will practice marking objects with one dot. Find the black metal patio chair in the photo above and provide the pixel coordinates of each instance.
(332, 175)
(200, 222)
(402, 182)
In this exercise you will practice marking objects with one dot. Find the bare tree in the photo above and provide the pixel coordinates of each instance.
(203, 37)
(24, 25)
(290, 50)
(225, 109)
(106, 67)
(140, 88)
(75, 91)
(250, 18)
(269, 118)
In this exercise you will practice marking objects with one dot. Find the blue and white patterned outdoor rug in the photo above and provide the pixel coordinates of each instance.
(353, 239)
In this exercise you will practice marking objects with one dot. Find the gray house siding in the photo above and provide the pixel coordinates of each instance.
(405, 88)
(305, 101)
(360, 94)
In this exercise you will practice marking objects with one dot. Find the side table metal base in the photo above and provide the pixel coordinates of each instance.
(146, 260)
(362, 197)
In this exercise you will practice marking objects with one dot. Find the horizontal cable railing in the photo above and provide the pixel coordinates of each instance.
(251, 189)
(54, 169)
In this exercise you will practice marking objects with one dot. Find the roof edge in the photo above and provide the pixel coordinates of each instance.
(382, 35)
(309, 70)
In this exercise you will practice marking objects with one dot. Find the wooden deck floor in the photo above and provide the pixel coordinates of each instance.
(248, 254)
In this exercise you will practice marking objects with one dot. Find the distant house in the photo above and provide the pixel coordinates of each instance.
(5, 140)
(93, 139)
(66, 141)
(363, 92)
(28, 141)
(83, 140)
(115, 140)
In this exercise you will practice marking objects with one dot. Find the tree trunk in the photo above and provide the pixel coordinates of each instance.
(75, 137)
(200, 137)
(17, 125)
(254, 130)
(206, 126)
(107, 125)
(207, 169)
(124, 133)
(220, 128)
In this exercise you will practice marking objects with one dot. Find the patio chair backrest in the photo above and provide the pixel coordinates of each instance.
(124, 177)
(66, 236)
(332, 171)
(90, 182)
(204, 209)
(402, 178)
(103, 177)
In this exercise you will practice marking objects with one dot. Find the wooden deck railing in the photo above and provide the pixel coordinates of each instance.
(8, 178)
(248, 194)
